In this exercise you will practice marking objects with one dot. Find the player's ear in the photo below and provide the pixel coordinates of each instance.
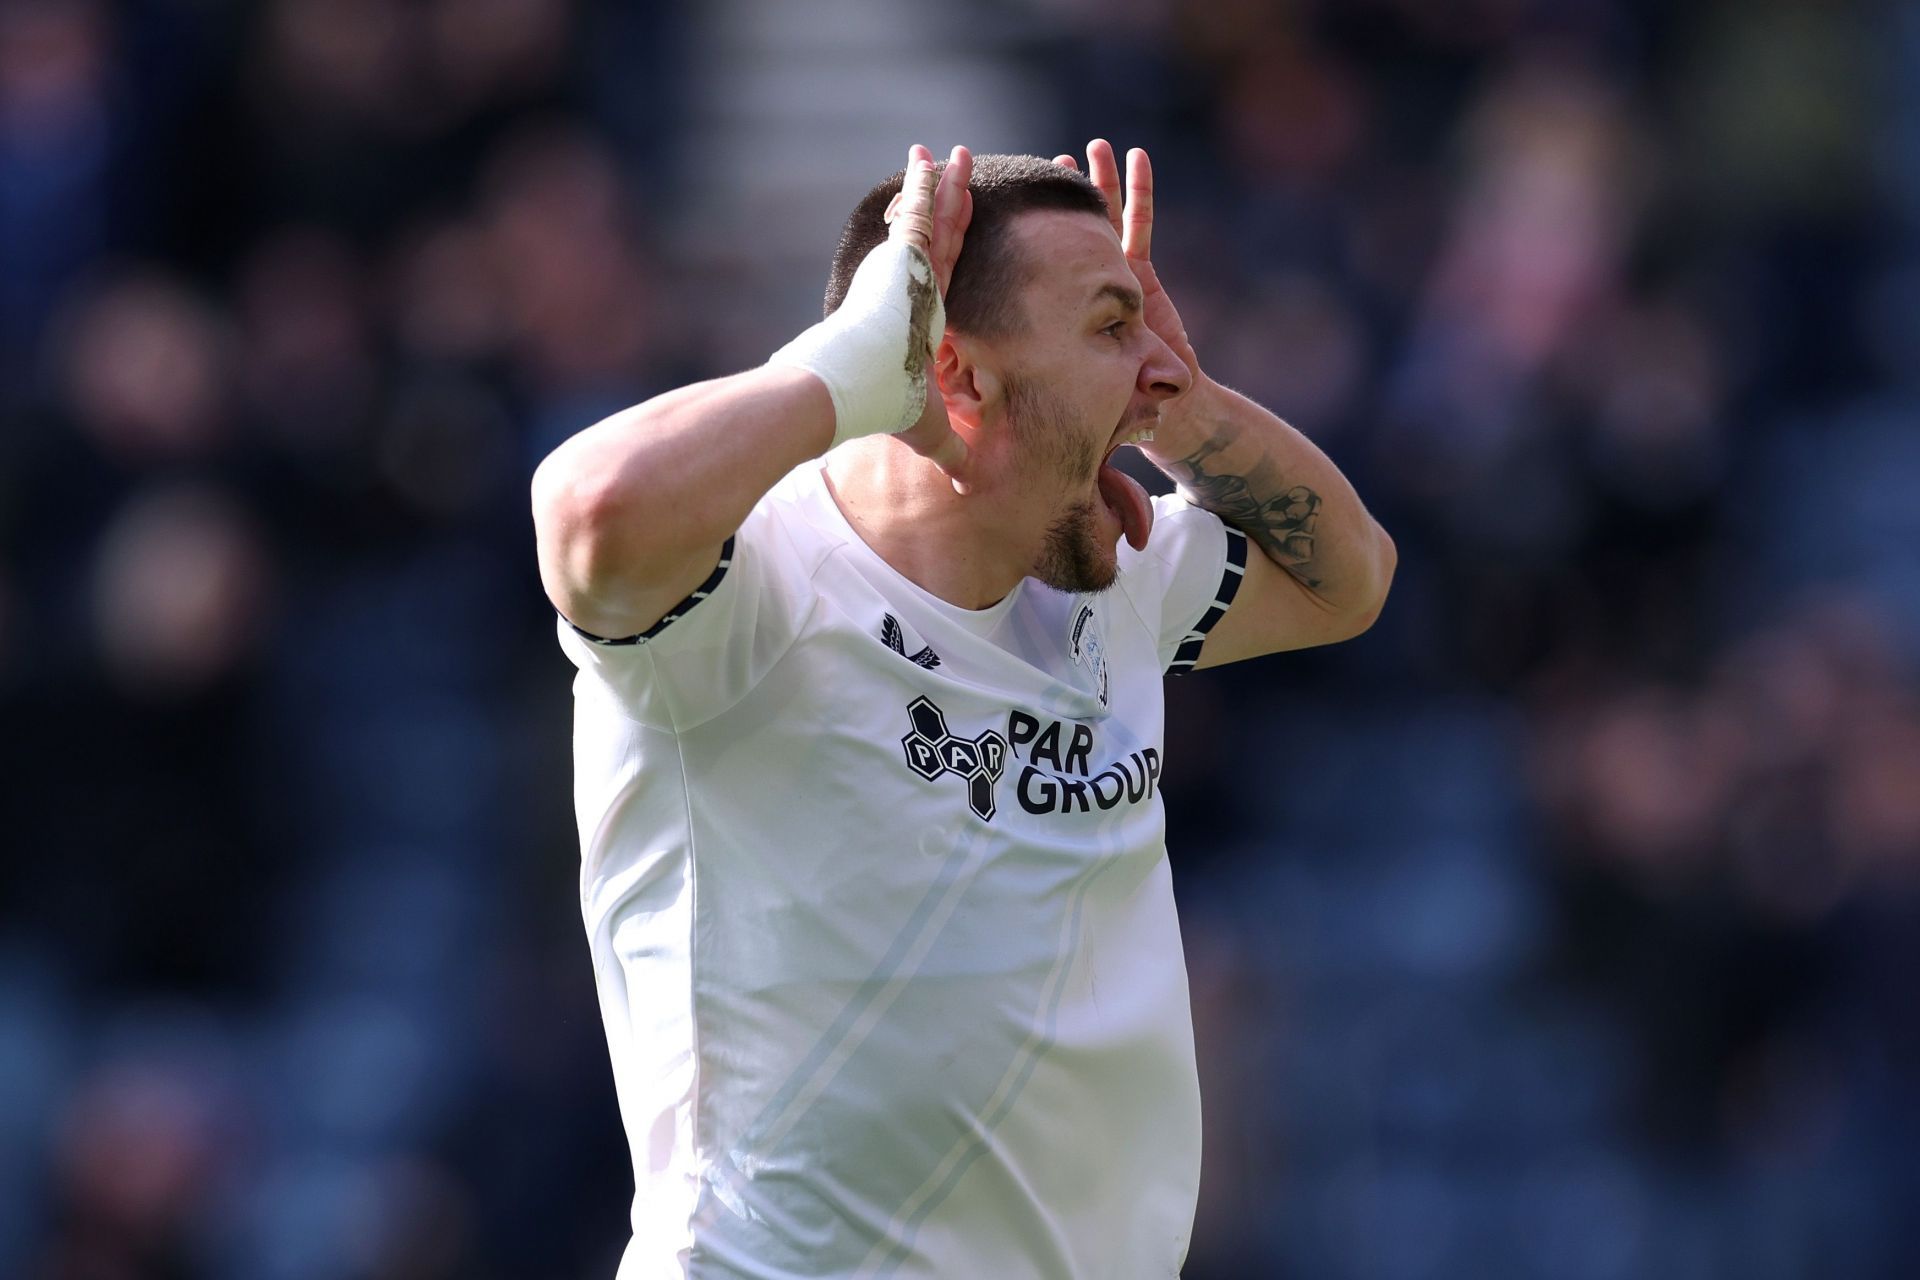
(966, 384)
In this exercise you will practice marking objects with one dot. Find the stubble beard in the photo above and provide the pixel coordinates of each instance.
(1071, 557)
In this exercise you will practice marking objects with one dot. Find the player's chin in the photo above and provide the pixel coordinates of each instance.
(1100, 566)
(1103, 549)
(1082, 551)
(1086, 575)
(1106, 570)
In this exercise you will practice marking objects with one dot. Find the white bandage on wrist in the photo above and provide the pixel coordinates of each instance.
(873, 351)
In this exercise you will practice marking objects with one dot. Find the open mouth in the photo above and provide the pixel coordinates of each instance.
(1122, 494)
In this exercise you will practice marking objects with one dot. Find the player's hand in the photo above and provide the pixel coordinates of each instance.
(1133, 222)
(931, 213)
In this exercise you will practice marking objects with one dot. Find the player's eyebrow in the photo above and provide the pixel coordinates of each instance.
(1129, 299)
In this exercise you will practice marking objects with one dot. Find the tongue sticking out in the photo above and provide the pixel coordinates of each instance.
(1127, 500)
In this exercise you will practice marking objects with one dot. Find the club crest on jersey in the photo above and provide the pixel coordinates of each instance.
(1085, 647)
(933, 751)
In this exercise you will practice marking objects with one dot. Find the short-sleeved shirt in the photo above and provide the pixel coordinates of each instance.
(880, 911)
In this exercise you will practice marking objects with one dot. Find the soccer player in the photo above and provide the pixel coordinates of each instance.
(868, 745)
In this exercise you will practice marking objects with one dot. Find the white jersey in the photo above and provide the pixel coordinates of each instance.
(881, 916)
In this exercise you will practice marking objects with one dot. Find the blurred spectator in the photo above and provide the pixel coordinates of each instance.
(56, 143)
(146, 368)
(179, 593)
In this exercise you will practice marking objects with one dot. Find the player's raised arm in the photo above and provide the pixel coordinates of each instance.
(630, 514)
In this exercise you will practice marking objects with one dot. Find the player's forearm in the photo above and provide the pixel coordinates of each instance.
(636, 494)
(1259, 474)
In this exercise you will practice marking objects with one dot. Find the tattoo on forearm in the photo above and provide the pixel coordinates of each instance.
(1277, 516)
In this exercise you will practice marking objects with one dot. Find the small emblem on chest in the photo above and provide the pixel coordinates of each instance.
(895, 639)
(1085, 647)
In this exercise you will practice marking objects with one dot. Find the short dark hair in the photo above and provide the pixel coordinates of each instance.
(982, 298)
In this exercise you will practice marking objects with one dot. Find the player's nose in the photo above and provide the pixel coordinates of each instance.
(1163, 376)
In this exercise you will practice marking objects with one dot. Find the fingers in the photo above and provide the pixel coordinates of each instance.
(933, 207)
(1067, 162)
(1106, 176)
(1136, 237)
(1132, 219)
(952, 211)
(953, 182)
(911, 217)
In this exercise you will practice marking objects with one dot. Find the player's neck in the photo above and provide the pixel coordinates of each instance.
(951, 546)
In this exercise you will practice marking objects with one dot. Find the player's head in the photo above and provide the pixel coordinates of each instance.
(1046, 365)
(983, 298)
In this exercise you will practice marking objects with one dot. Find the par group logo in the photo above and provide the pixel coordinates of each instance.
(933, 751)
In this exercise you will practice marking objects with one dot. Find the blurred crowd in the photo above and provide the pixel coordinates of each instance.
(1564, 925)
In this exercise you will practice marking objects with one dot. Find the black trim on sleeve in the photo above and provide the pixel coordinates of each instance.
(1189, 651)
(678, 611)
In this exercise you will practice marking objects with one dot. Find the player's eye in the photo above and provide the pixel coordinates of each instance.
(1115, 329)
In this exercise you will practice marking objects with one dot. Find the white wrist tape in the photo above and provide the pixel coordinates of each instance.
(873, 351)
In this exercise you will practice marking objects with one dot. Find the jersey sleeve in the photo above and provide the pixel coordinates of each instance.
(1185, 580)
(711, 648)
